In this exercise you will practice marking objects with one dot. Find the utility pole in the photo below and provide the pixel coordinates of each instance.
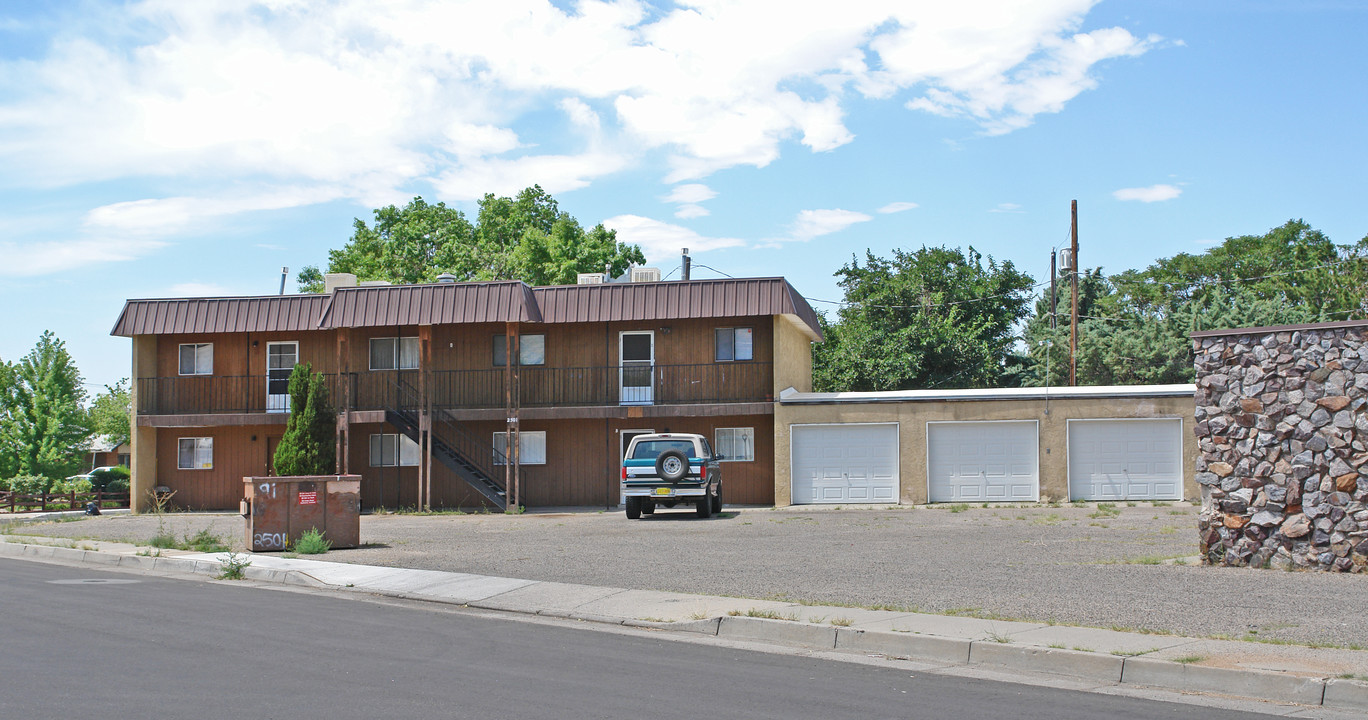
(1053, 273)
(1073, 263)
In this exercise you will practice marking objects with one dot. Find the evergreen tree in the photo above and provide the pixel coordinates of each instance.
(309, 445)
(43, 427)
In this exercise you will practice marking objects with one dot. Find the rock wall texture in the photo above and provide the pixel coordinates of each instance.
(1282, 432)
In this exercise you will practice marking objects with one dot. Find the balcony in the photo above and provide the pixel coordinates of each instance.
(538, 387)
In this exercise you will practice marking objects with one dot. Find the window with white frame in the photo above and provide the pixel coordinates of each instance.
(197, 359)
(736, 444)
(734, 344)
(394, 353)
(531, 350)
(195, 453)
(531, 448)
(393, 450)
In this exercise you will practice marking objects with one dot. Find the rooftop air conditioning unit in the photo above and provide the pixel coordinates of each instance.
(645, 274)
(589, 279)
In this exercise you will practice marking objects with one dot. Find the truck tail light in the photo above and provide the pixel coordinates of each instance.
(703, 473)
(624, 472)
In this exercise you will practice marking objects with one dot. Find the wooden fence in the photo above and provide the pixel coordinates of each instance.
(47, 502)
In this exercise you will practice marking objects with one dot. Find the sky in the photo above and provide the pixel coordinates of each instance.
(161, 148)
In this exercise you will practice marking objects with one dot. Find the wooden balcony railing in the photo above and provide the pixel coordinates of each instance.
(460, 389)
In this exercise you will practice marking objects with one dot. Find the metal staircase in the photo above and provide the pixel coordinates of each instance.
(457, 449)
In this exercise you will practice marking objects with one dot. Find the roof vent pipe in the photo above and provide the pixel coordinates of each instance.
(284, 272)
(446, 278)
(687, 262)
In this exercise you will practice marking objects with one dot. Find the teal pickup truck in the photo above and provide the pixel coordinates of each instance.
(669, 469)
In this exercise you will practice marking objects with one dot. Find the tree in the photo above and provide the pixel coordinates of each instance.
(934, 317)
(9, 460)
(110, 411)
(309, 446)
(526, 238)
(1135, 325)
(42, 424)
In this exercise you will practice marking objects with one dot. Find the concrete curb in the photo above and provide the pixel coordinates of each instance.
(1245, 683)
(949, 651)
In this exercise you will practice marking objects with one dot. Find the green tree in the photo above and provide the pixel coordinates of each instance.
(526, 238)
(110, 412)
(9, 459)
(309, 446)
(42, 422)
(934, 317)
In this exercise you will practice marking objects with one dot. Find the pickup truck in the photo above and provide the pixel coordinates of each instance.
(668, 469)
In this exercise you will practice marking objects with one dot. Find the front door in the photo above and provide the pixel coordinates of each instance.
(627, 436)
(280, 361)
(636, 367)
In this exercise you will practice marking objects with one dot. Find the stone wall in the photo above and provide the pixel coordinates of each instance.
(1283, 447)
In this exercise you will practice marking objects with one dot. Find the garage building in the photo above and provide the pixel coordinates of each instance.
(1113, 443)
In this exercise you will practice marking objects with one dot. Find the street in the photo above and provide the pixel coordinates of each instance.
(85, 643)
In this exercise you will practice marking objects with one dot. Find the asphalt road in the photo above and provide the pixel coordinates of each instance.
(81, 643)
(1068, 565)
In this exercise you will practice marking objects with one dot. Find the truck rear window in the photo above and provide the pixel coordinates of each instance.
(651, 449)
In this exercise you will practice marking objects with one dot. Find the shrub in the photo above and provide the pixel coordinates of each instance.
(312, 543)
(103, 479)
(30, 484)
(78, 485)
(309, 444)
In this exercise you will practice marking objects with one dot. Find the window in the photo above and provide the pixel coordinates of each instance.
(396, 353)
(736, 444)
(531, 350)
(195, 453)
(393, 451)
(734, 344)
(531, 448)
(197, 359)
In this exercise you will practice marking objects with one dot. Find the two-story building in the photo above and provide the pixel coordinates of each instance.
(467, 394)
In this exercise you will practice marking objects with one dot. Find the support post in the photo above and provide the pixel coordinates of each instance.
(1073, 262)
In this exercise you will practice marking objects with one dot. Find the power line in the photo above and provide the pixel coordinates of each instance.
(719, 272)
(928, 305)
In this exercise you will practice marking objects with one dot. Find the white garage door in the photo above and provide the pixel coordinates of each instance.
(982, 462)
(845, 463)
(1126, 459)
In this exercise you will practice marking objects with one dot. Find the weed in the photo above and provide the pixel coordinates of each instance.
(1189, 659)
(698, 615)
(766, 614)
(1055, 646)
(1078, 504)
(1106, 510)
(1131, 504)
(654, 619)
(1051, 519)
(1080, 648)
(149, 552)
(233, 567)
(1097, 524)
(984, 505)
(815, 620)
(205, 542)
(1177, 512)
(164, 541)
(1133, 653)
(997, 638)
(312, 543)
(1161, 504)
(842, 622)
(958, 507)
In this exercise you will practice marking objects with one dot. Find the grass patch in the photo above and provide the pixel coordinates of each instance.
(990, 635)
(1050, 519)
(1055, 646)
(958, 507)
(1080, 648)
(1106, 510)
(205, 542)
(698, 615)
(312, 543)
(233, 567)
(1132, 653)
(1189, 659)
(764, 614)
(842, 622)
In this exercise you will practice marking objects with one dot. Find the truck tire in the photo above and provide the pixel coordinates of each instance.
(672, 466)
(647, 507)
(717, 500)
(704, 507)
(633, 508)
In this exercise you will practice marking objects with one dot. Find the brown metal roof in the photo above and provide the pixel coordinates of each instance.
(454, 303)
(439, 304)
(728, 297)
(220, 315)
(1280, 328)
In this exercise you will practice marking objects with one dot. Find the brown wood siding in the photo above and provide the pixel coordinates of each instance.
(236, 455)
(234, 355)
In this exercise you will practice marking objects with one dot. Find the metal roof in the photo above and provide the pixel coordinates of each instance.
(478, 302)
(438, 304)
(667, 300)
(1280, 328)
(792, 397)
(270, 313)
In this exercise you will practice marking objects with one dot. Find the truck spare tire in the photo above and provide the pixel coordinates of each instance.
(672, 466)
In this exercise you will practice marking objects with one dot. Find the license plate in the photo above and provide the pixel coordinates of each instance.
(662, 491)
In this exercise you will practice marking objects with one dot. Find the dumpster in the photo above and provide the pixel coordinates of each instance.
(280, 509)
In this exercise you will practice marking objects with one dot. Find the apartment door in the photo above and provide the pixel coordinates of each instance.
(280, 361)
(636, 367)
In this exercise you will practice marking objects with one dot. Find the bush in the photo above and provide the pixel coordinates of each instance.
(309, 444)
(312, 543)
(102, 480)
(79, 485)
(29, 484)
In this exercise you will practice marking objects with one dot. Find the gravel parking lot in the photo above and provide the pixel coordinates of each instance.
(1075, 565)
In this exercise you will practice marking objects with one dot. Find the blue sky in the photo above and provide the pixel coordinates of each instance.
(164, 148)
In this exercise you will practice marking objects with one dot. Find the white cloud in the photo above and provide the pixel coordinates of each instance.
(367, 100)
(897, 207)
(1006, 208)
(1153, 193)
(689, 211)
(658, 239)
(816, 223)
(165, 216)
(42, 258)
(690, 193)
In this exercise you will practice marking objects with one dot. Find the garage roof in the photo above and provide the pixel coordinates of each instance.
(792, 397)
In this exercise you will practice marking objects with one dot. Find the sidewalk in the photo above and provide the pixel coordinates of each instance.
(1279, 673)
